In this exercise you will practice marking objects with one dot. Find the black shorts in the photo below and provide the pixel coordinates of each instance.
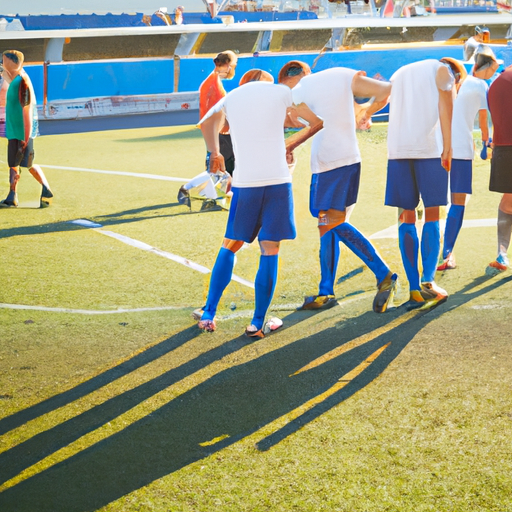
(17, 156)
(226, 150)
(501, 170)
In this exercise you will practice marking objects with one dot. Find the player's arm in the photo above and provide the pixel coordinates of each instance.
(210, 127)
(314, 125)
(445, 84)
(364, 87)
(26, 104)
(483, 124)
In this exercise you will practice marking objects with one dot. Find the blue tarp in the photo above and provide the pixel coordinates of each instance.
(73, 21)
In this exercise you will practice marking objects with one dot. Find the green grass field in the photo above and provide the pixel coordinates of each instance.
(111, 399)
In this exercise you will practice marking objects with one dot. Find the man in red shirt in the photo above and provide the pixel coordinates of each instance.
(500, 106)
(210, 92)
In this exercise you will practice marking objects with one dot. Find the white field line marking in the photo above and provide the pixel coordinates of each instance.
(179, 259)
(87, 311)
(117, 173)
(392, 231)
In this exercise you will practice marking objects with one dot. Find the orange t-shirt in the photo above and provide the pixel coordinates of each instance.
(210, 92)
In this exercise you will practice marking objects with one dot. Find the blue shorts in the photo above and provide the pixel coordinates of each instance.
(336, 189)
(461, 175)
(408, 179)
(266, 212)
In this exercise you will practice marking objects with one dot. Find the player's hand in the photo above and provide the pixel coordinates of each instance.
(217, 164)
(363, 122)
(446, 160)
(292, 118)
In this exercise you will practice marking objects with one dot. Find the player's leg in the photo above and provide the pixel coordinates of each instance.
(402, 192)
(432, 181)
(264, 285)
(276, 224)
(15, 153)
(221, 276)
(460, 186)
(331, 195)
(504, 233)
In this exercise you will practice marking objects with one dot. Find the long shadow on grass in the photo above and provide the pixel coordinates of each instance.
(112, 374)
(28, 453)
(220, 411)
(106, 221)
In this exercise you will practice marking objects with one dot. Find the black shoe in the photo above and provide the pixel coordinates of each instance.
(46, 197)
(184, 197)
(210, 205)
(11, 200)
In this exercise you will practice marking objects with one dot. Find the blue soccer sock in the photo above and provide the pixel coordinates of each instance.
(362, 248)
(329, 256)
(453, 225)
(409, 248)
(264, 286)
(221, 276)
(430, 246)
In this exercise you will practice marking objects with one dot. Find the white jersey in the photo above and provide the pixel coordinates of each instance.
(329, 95)
(471, 98)
(414, 129)
(256, 112)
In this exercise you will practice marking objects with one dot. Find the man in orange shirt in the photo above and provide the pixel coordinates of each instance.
(210, 92)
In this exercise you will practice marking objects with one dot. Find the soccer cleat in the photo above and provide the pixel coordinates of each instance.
(318, 302)
(430, 295)
(253, 332)
(11, 200)
(207, 325)
(448, 263)
(46, 197)
(385, 293)
(498, 266)
(197, 314)
(184, 196)
(433, 289)
(272, 324)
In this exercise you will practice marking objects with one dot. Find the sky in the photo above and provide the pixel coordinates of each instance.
(25, 7)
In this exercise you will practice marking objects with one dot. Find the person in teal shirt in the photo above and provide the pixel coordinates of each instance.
(21, 127)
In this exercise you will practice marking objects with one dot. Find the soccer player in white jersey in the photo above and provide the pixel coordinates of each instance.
(262, 202)
(419, 158)
(336, 168)
(471, 100)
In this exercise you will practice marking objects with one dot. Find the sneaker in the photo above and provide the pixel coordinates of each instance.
(184, 196)
(207, 325)
(498, 266)
(11, 200)
(46, 197)
(319, 302)
(385, 293)
(448, 263)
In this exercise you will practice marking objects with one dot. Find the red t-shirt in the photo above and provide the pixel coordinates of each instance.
(499, 98)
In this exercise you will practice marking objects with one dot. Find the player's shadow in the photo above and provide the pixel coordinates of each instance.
(218, 412)
(113, 219)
